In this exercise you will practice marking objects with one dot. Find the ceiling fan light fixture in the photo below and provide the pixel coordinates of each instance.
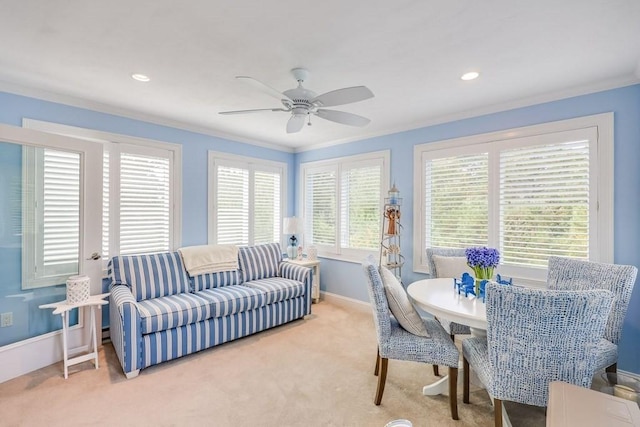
(140, 77)
(471, 75)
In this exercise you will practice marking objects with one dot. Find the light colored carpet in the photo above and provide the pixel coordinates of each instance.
(312, 372)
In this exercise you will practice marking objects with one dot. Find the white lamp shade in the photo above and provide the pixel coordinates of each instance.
(291, 225)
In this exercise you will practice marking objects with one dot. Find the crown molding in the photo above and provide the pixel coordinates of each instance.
(99, 107)
(496, 108)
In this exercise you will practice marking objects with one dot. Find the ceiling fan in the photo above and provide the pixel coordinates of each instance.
(302, 102)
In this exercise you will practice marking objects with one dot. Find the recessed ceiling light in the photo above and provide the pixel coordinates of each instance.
(470, 75)
(140, 77)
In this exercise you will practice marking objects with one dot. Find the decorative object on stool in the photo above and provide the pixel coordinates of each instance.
(78, 289)
(482, 261)
(292, 226)
(312, 253)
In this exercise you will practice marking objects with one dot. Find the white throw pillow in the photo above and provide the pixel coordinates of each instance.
(451, 266)
(400, 305)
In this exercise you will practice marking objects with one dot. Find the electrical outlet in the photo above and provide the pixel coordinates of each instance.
(6, 319)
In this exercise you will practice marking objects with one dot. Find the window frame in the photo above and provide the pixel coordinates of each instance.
(340, 165)
(137, 145)
(601, 160)
(252, 164)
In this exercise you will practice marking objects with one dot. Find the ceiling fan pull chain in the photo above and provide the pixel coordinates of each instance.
(309, 117)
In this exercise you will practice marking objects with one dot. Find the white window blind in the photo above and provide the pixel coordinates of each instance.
(544, 202)
(360, 207)
(267, 207)
(61, 212)
(320, 207)
(232, 205)
(455, 201)
(144, 204)
(246, 199)
(105, 205)
(51, 198)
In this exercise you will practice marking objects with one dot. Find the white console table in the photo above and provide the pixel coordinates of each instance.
(62, 308)
(315, 266)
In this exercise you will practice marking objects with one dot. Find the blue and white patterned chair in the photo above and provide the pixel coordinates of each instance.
(570, 273)
(453, 327)
(535, 336)
(394, 342)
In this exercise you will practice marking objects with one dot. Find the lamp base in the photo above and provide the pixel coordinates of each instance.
(292, 252)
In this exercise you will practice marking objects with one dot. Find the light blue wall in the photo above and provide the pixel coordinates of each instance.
(346, 279)
(28, 319)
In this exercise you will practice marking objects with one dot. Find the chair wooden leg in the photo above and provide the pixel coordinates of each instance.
(497, 416)
(436, 370)
(465, 380)
(453, 392)
(375, 372)
(381, 380)
(612, 369)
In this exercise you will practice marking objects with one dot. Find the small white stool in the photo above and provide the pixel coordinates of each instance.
(62, 308)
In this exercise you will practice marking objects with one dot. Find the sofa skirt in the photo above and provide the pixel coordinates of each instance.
(172, 343)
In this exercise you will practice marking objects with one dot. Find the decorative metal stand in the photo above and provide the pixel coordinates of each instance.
(390, 249)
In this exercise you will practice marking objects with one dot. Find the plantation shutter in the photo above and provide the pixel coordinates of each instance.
(266, 207)
(105, 205)
(144, 203)
(456, 201)
(320, 225)
(360, 207)
(232, 205)
(544, 202)
(60, 213)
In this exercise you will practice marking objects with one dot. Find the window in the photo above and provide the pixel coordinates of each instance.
(141, 197)
(140, 220)
(530, 192)
(246, 199)
(342, 201)
(51, 216)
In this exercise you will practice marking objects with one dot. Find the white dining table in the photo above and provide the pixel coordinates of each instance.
(440, 298)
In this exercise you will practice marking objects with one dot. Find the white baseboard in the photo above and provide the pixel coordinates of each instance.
(345, 301)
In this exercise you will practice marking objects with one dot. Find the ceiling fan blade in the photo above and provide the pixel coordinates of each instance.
(263, 87)
(342, 96)
(343, 117)
(252, 111)
(295, 123)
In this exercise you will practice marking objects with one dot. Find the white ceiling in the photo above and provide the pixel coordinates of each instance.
(410, 53)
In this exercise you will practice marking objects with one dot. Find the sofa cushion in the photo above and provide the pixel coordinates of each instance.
(277, 289)
(215, 280)
(151, 275)
(232, 299)
(158, 314)
(259, 262)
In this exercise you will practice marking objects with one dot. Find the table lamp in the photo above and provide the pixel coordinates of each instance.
(292, 226)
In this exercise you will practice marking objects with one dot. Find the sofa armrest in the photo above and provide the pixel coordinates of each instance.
(125, 329)
(302, 274)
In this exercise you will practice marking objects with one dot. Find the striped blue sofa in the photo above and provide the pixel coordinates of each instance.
(158, 313)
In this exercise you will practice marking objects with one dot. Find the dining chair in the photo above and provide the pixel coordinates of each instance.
(433, 261)
(575, 274)
(395, 342)
(535, 336)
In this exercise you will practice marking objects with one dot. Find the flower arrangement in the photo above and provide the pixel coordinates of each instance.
(482, 261)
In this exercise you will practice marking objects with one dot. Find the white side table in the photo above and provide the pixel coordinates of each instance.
(62, 308)
(315, 284)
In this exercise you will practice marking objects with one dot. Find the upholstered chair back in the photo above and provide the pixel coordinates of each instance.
(443, 252)
(378, 298)
(574, 274)
(535, 336)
